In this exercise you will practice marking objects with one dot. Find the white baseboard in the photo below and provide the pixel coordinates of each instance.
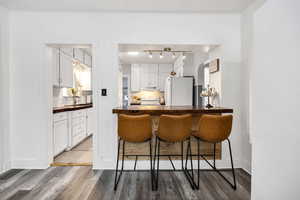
(5, 167)
(29, 164)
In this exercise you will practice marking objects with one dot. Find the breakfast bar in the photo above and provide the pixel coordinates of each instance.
(170, 148)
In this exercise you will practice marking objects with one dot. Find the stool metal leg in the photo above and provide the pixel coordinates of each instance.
(158, 152)
(151, 166)
(215, 155)
(117, 178)
(198, 170)
(232, 168)
(189, 177)
(215, 169)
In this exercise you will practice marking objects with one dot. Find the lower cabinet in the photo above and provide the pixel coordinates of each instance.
(89, 122)
(78, 126)
(60, 134)
(70, 128)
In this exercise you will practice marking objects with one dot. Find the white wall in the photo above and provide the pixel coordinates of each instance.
(31, 98)
(4, 90)
(228, 83)
(276, 101)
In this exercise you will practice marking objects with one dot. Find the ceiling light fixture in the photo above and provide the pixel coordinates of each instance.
(183, 56)
(173, 55)
(161, 55)
(150, 54)
(133, 53)
(206, 49)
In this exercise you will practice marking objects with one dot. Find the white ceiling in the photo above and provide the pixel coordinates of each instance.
(143, 57)
(129, 5)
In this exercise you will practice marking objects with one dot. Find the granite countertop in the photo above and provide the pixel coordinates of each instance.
(72, 107)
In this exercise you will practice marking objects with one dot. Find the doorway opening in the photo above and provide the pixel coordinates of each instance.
(73, 112)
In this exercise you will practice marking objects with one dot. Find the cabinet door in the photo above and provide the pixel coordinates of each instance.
(149, 75)
(89, 121)
(79, 55)
(144, 76)
(135, 77)
(55, 64)
(153, 75)
(66, 71)
(60, 136)
(164, 72)
(88, 60)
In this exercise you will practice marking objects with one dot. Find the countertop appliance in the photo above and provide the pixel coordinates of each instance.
(179, 91)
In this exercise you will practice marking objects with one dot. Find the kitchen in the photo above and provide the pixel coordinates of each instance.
(169, 93)
(172, 75)
(72, 105)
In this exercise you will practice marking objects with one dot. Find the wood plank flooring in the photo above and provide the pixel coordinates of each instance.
(83, 183)
(78, 156)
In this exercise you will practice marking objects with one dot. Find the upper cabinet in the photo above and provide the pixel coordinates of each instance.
(149, 76)
(164, 72)
(66, 71)
(88, 60)
(79, 55)
(62, 70)
(135, 77)
(55, 64)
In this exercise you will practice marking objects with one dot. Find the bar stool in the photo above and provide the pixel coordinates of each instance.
(172, 129)
(135, 129)
(213, 129)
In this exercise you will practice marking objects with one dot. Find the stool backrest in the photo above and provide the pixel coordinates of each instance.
(174, 128)
(134, 128)
(214, 128)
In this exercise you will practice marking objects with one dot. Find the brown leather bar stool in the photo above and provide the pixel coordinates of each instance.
(134, 129)
(172, 129)
(213, 129)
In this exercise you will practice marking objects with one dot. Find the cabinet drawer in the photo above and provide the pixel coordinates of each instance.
(78, 120)
(78, 113)
(79, 129)
(60, 116)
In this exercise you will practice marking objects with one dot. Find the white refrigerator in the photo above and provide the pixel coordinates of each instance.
(179, 91)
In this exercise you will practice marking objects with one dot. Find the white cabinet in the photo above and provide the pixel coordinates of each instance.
(68, 51)
(79, 55)
(144, 76)
(87, 59)
(78, 126)
(62, 70)
(66, 71)
(149, 76)
(55, 64)
(135, 77)
(89, 122)
(164, 72)
(60, 133)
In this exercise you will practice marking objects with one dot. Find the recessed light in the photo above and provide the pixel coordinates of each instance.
(133, 53)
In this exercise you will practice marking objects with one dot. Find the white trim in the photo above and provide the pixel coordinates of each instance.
(29, 164)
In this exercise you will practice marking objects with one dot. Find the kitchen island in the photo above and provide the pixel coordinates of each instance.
(169, 148)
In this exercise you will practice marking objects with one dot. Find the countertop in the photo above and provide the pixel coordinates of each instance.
(72, 108)
(158, 110)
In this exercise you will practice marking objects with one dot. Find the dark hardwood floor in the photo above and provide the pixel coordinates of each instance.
(83, 183)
